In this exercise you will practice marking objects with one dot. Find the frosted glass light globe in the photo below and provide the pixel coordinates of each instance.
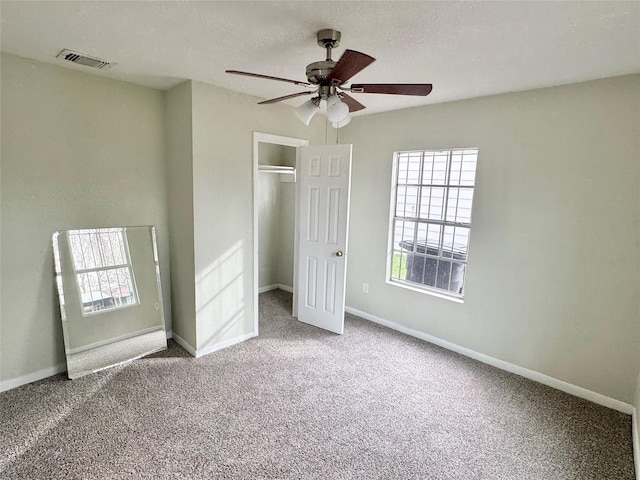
(336, 109)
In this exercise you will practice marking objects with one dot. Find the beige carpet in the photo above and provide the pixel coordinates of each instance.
(300, 403)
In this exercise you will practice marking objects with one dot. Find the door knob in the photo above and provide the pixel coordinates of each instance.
(339, 253)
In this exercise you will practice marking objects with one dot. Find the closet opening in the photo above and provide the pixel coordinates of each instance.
(274, 195)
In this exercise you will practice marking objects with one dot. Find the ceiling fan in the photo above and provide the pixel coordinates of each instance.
(326, 81)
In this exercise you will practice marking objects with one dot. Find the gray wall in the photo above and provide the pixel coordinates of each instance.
(553, 275)
(179, 148)
(276, 203)
(287, 223)
(269, 228)
(223, 123)
(269, 202)
(78, 151)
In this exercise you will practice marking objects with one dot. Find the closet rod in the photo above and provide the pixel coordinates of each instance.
(277, 169)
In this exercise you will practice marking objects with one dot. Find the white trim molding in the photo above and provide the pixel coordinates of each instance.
(636, 441)
(268, 288)
(275, 286)
(501, 364)
(32, 377)
(183, 343)
(200, 352)
(286, 288)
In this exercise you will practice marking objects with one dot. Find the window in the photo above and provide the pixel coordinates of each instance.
(431, 219)
(103, 269)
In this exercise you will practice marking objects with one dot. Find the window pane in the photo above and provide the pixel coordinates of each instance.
(413, 174)
(433, 239)
(427, 168)
(399, 266)
(460, 243)
(403, 167)
(403, 235)
(468, 175)
(430, 269)
(415, 268)
(458, 271)
(401, 194)
(447, 241)
(116, 244)
(436, 210)
(456, 167)
(440, 160)
(77, 252)
(409, 206)
(432, 203)
(96, 251)
(421, 237)
(465, 199)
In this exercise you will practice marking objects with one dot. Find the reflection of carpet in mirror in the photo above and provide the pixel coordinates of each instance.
(105, 356)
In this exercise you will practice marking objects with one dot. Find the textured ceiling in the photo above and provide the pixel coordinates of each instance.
(465, 49)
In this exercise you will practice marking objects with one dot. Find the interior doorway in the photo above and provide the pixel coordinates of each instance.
(274, 203)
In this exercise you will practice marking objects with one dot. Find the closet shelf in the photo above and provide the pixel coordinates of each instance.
(277, 169)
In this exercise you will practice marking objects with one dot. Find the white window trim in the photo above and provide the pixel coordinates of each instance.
(426, 289)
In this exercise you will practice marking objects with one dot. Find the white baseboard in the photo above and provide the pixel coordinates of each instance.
(276, 286)
(40, 374)
(636, 442)
(48, 372)
(32, 377)
(219, 346)
(501, 364)
(267, 288)
(183, 343)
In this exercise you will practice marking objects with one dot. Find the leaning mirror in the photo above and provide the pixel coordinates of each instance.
(110, 294)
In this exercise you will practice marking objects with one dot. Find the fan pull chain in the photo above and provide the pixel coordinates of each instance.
(326, 130)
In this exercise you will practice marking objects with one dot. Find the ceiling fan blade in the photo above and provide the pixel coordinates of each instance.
(268, 77)
(286, 97)
(350, 63)
(353, 104)
(420, 89)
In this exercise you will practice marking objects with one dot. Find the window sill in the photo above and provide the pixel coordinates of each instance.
(432, 293)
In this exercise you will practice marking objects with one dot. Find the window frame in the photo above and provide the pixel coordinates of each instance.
(418, 220)
(126, 265)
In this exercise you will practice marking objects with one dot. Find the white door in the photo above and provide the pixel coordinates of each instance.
(323, 177)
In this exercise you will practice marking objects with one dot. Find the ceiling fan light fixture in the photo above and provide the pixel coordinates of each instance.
(329, 78)
(342, 123)
(306, 111)
(337, 110)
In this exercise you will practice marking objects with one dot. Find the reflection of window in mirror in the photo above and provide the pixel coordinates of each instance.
(102, 265)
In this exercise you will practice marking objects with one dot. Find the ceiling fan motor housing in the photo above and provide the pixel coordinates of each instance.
(317, 71)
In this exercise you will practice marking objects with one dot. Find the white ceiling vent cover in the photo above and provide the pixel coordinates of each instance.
(83, 59)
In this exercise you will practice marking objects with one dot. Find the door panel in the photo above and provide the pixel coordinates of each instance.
(324, 174)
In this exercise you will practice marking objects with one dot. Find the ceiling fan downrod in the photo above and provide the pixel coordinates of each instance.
(329, 39)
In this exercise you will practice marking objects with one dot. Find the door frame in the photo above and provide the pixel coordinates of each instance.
(259, 137)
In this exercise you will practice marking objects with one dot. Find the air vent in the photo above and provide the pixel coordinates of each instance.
(83, 59)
